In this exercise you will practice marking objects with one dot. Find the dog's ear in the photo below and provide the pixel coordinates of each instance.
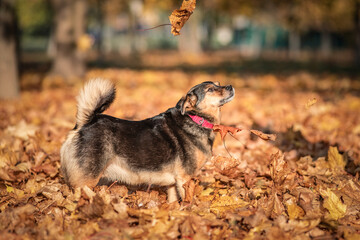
(217, 83)
(187, 102)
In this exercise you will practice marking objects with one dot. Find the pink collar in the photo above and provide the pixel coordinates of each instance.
(201, 121)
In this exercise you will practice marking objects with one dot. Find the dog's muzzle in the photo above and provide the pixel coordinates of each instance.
(231, 96)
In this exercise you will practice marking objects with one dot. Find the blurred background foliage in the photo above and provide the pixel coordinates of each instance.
(63, 37)
(253, 28)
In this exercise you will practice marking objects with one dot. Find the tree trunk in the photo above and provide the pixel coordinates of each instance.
(294, 45)
(100, 22)
(325, 47)
(9, 85)
(189, 39)
(69, 19)
(357, 32)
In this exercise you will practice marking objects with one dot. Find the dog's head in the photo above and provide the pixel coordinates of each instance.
(206, 99)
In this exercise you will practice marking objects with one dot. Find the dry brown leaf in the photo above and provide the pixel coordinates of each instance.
(179, 16)
(223, 130)
(264, 136)
(224, 203)
(189, 187)
(278, 168)
(227, 166)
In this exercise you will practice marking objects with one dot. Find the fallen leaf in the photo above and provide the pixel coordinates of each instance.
(94, 209)
(88, 194)
(227, 166)
(293, 210)
(46, 168)
(310, 102)
(278, 168)
(222, 204)
(333, 204)
(189, 187)
(121, 209)
(9, 189)
(22, 130)
(335, 159)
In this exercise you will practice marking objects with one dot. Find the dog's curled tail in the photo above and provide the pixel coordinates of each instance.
(95, 97)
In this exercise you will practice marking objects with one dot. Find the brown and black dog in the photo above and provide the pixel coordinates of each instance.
(165, 150)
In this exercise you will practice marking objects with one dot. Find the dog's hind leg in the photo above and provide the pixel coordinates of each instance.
(79, 179)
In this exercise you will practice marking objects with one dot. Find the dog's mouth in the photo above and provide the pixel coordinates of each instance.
(228, 98)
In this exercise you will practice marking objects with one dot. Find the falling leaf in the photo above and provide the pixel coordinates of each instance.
(333, 204)
(179, 16)
(223, 130)
(264, 136)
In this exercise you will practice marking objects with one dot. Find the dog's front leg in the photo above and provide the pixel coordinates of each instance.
(172, 194)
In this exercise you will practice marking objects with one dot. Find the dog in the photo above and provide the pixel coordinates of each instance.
(165, 150)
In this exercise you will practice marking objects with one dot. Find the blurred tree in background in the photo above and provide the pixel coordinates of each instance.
(69, 34)
(9, 87)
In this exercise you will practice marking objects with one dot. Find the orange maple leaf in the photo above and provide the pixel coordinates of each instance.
(223, 130)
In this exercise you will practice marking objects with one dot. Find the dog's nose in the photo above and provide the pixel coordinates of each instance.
(229, 87)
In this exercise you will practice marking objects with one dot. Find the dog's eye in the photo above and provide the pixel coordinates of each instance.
(210, 90)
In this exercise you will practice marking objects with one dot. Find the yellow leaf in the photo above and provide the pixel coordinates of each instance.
(294, 211)
(224, 203)
(207, 191)
(70, 205)
(9, 189)
(335, 159)
(333, 204)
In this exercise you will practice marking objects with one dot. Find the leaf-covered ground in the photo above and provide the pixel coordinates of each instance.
(305, 185)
